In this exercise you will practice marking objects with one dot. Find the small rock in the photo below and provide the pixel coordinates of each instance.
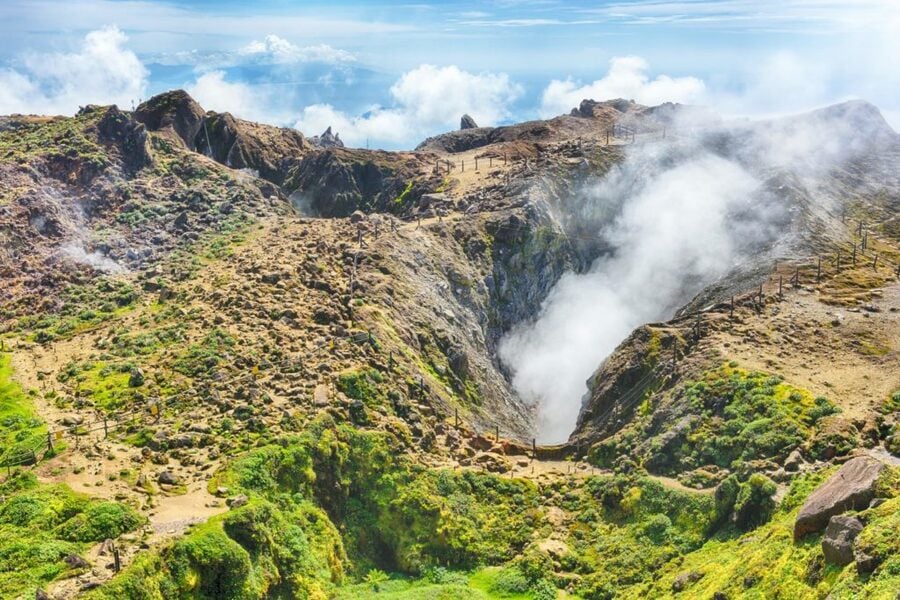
(136, 378)
(106, 548)
(237, 501)
(865, 563)
(837, 545)
(683, 579)
(72, 420)
(76, 562)
(794, 461)
(168, 478)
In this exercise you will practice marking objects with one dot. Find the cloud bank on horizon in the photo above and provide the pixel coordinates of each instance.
(376, 94)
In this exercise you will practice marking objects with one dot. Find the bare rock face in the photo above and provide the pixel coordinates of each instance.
(467, 122)
(241, 144)
(837, 545)
(851, 488)
(174, 111)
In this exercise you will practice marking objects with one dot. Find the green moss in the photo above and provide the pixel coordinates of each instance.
(767, 563)
(200, 359)
(400, 200)
(744, 415)
(100, 521)
(365, 385)
(42, 524)
(54, 139)
(20, 429)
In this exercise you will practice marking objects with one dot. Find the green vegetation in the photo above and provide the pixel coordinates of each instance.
(43, 524)
(733, 416)
(391, 515)
(20, 429)
(767, 563)
(747, 415)
(400, 200)
(54, 139)
(84, 307)
(200, 359)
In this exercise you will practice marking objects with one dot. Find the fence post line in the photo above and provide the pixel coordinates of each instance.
(731, 311)
(50, 442)
(819, 271)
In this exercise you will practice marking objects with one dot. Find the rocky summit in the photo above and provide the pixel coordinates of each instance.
(240, 362)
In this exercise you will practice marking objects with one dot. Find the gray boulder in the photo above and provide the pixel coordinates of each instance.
(168, 478)
(837, 545)
(851, 488)
(794, 461)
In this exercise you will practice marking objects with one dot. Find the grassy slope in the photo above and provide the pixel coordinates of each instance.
(20, 429)
(42, 524)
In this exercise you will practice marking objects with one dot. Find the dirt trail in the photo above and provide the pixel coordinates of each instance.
(831, 351)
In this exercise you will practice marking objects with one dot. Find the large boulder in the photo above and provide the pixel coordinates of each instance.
(851, 488)
(837, 545)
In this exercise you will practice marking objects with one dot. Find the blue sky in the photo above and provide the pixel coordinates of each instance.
(389, 73)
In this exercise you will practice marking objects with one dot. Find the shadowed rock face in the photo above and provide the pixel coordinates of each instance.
(173, 111)
(245, 145)
(467, 122)
(851, 488)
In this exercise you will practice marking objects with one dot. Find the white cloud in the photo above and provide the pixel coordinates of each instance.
(213, 92)
(428, 99)
(627, 78)
(102, 71)
(280, 51)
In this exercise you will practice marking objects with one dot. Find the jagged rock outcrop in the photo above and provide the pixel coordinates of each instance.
(327, 139)
(851, 488)
(174, 112)
(467, 122)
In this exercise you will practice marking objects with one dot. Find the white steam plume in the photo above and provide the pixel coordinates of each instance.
(77, 252)
(672, 235)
